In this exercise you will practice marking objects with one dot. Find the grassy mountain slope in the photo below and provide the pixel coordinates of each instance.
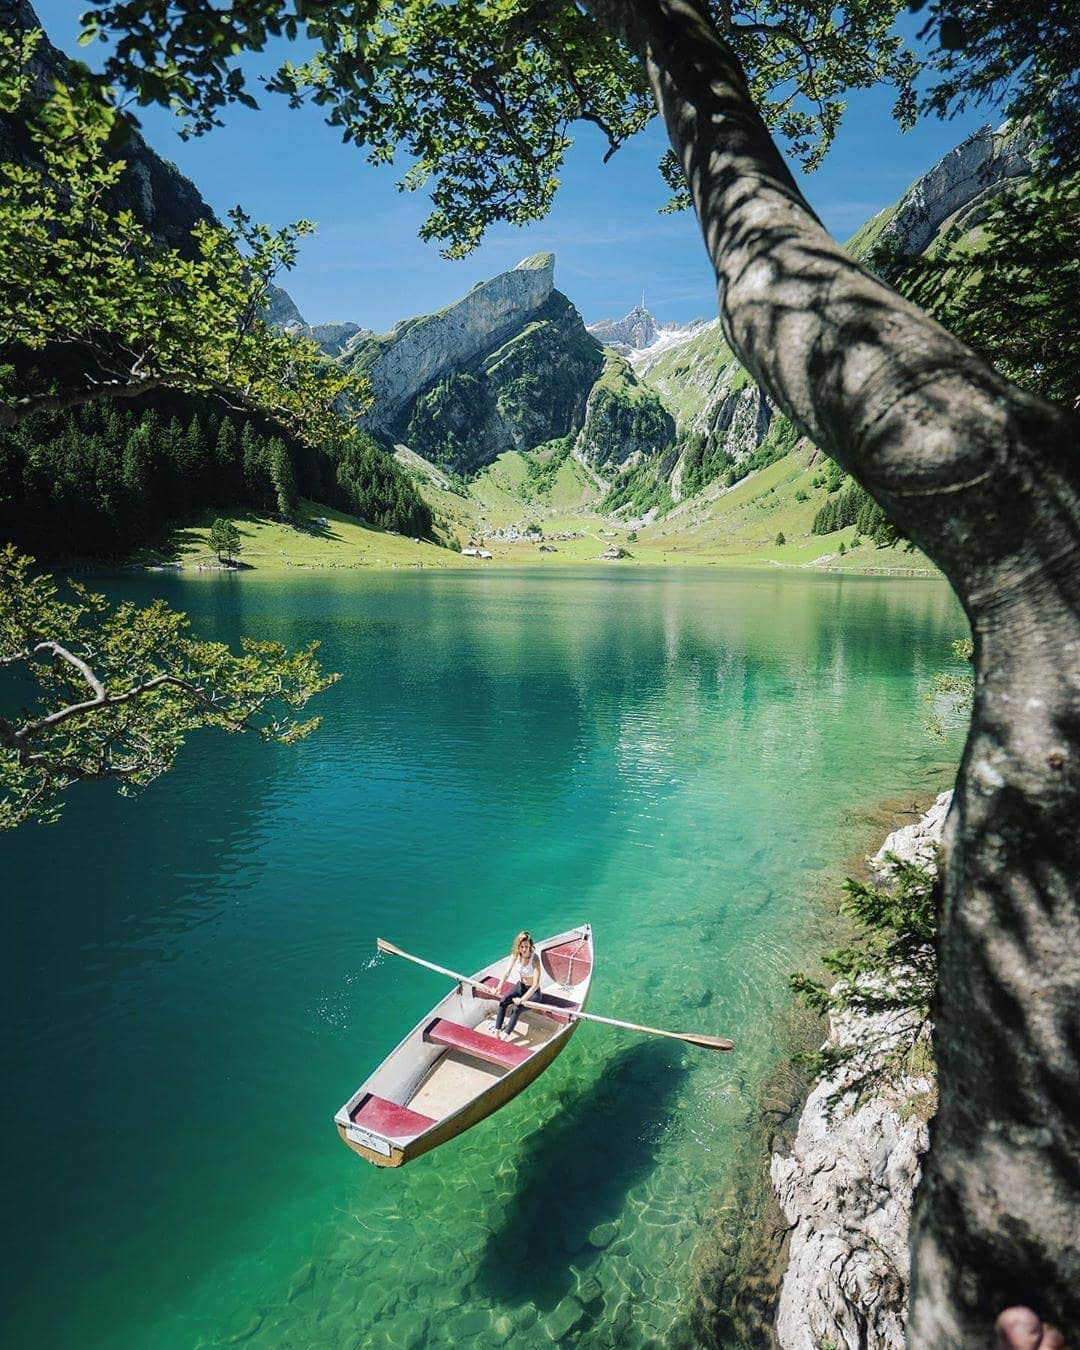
(694, 375)
(268, 544)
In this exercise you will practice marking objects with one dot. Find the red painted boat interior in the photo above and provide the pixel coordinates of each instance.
(385, 1117)
(452, 1034)
(569, 962)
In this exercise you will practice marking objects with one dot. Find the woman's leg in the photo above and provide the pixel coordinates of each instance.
(515, 1011)
(505, 1002)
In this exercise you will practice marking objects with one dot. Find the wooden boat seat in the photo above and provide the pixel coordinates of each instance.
(440, 1031)
(552, 1001)
(387, 1118)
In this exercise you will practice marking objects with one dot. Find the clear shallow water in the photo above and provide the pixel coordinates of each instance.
(188, 984)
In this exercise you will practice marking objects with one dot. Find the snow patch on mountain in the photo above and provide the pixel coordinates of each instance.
(637, 335)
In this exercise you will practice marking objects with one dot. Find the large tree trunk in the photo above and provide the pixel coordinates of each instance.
(986, 480)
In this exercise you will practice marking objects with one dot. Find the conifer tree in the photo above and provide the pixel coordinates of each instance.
(225, 455)
(283, 479)
(256, 479)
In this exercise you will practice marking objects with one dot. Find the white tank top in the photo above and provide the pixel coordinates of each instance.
(524, 971)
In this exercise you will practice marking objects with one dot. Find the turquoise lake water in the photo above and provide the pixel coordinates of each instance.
(188, 984)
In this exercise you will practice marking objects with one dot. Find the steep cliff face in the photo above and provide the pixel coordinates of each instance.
(154, 190)
(333, 339)
(963, 181)
(510, 366)
(281, 309)
(151, 187)
(530, 388)
(419, 351)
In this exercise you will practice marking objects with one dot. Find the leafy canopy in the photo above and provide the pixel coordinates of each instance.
(88, 283)
(481, 95)
(1022, 54)
(111, 693)
(1011, 291)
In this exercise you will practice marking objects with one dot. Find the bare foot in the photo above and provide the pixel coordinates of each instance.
(1021, 1329)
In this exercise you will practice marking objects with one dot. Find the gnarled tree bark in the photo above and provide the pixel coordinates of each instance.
(986, 479)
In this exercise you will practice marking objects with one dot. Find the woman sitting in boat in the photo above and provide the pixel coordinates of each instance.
(523, 975)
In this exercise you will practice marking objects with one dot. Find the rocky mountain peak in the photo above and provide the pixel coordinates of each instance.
(417, 351)
(638, 333)
(538, 262)
(633, 332)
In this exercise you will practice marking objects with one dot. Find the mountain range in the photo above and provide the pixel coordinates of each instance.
(508, 398)
(512, 367)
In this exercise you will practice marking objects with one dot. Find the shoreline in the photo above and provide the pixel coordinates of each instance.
(334, 541)
(744, 1257)
(507, 565)
(847, 1183)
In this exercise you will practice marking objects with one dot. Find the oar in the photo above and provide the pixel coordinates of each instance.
(691, 1038)
(389, 947)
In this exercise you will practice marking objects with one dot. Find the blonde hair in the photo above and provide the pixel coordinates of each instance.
(518, 941)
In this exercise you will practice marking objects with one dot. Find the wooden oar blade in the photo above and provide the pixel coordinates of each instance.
(389, 947)
(709, 1042)
(689, 1037)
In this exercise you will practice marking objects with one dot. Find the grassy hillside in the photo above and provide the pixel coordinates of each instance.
(862, 242)
(271, 545)
(692, 376)
(740, 526)
(735, 528)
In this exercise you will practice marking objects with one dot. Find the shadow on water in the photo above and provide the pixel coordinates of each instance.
(575, 1173)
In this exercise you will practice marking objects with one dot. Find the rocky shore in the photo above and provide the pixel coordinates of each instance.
(846, 1186)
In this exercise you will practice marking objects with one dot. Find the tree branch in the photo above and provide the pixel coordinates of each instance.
(11, 414)
(17, 738)
(858, 369)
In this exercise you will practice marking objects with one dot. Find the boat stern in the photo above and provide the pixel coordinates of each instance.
(380, 1130)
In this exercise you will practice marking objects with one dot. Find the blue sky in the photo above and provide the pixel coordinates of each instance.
(367, 264)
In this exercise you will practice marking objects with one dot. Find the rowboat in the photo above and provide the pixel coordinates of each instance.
(451, 1071)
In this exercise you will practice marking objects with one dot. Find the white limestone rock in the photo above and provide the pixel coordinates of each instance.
(968, 175)
(743, 417)
(417, 351)
(281, 311)
(332, 339)
(917, 842)
(848, 1184)
(639, 337)
(633, 332)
